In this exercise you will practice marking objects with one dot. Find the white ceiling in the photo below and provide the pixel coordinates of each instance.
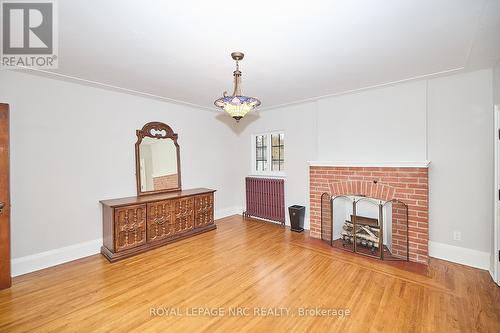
(294, 50)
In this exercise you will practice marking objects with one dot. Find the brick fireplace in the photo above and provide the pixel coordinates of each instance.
(408, 184)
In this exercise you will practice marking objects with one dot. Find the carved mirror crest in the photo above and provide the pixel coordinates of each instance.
(157, 159)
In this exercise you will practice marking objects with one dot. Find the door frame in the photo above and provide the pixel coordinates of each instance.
(496, 205)
(5, 271)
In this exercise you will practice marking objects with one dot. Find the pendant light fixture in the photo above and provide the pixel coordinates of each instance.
(237, 105)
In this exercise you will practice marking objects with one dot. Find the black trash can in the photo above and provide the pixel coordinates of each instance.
(297, 214)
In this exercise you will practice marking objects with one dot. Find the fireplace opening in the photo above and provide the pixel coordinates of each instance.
(364, 225)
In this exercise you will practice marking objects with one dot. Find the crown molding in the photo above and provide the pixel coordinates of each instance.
(77, 80)
(353, 91)
(97, 84)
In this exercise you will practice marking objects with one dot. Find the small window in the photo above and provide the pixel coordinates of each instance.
(269, 153)
(260, 153)
(277, 152)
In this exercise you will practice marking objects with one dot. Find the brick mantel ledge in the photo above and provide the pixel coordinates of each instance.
(368, 164)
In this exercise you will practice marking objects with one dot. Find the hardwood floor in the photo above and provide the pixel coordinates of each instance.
(249, 265)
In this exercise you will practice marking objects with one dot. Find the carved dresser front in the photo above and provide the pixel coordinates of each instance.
(137, 224)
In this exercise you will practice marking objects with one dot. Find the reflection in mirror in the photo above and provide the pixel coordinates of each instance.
(158, 164)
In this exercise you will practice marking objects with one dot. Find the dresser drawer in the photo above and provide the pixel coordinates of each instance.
(130, 227)
(183, 210)
(203, 210)
(160, 220)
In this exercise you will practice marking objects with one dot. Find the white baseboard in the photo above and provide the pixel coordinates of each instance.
(228, 212)
(61, 255)
(460, 255)
(55, 257)
(492, 274)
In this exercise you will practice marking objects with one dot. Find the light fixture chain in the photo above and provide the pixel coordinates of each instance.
(237, 105)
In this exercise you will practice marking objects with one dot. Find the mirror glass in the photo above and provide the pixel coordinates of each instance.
(158, 164)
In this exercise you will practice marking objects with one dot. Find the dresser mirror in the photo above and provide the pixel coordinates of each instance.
(157, 159)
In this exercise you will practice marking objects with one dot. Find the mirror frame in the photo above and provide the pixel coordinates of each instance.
(156, 127)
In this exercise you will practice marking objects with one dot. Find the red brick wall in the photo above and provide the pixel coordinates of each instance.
(399, 238)
(165, 182)
(410, 185)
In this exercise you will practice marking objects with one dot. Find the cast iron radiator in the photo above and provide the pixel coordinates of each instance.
(265, 198)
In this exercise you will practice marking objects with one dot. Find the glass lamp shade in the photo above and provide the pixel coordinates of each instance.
(237, 106)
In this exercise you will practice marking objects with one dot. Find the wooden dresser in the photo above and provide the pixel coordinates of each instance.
(137, 224)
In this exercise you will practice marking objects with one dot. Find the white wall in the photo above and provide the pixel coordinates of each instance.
(496, 83)
(73, 145)
(164, 156)
(299, 124)
(460, 133)
(386, 124)
(445, 120)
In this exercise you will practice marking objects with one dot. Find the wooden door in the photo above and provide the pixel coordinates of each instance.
(5, 280)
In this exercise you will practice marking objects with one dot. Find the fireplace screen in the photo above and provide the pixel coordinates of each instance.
(368, 226)
(342, 227)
